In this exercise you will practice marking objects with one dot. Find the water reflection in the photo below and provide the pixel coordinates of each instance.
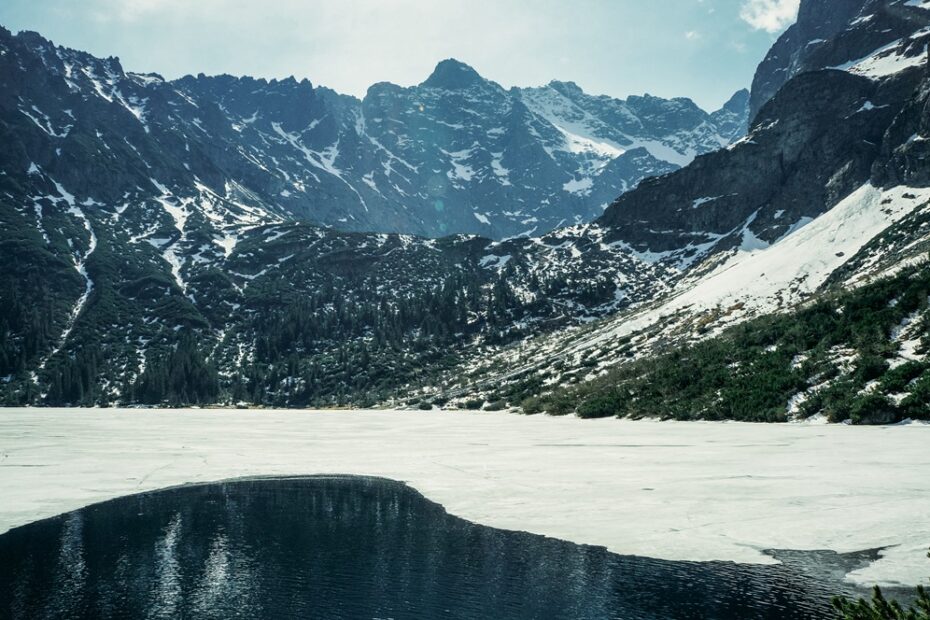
(363, 548)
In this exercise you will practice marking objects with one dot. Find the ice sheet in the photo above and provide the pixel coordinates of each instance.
(672, 490)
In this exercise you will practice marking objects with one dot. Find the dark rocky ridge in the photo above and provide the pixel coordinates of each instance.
(825, 133)
(808, 149)
(829, 33)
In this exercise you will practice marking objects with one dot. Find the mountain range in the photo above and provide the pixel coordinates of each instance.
(225, 240)
(457, 154)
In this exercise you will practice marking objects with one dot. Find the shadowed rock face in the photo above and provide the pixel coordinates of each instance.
(733, 117)
(825, 133)
(830, 33)
(808, 149)
(905, 150)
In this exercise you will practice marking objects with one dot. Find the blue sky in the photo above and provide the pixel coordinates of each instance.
(703, 49)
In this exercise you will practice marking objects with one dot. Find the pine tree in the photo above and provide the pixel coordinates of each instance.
(880, 608)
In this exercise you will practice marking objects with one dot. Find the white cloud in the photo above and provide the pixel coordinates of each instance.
(770, 15)
(134, 10)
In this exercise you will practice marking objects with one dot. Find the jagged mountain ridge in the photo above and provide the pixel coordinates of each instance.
(455, 154)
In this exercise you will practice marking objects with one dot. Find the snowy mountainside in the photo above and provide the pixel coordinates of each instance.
(855, 243)
(180, 298)
(672, 130)
(831, 322)
(601, 132)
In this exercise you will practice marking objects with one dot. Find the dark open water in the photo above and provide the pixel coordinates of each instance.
(344, 547)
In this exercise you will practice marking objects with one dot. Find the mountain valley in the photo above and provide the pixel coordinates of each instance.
(220, 240)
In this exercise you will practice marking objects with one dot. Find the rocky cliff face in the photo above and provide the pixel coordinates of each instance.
(809, 146)
(832, 33)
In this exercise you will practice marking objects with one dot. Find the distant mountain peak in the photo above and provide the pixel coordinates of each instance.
(565, 86)
(452, 74)
(738, 102)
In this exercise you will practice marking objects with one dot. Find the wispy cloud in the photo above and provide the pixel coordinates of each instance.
(133, 10)
(770, 15)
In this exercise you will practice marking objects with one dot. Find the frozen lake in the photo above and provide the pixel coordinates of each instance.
(669, 491)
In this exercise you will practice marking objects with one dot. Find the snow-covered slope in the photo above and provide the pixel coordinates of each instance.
(734, 287)
(897, 56)
(674, 131)
(778, 276)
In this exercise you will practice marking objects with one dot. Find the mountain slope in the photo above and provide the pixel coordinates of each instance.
(178, 284)
(858, 356)
(870, 235)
